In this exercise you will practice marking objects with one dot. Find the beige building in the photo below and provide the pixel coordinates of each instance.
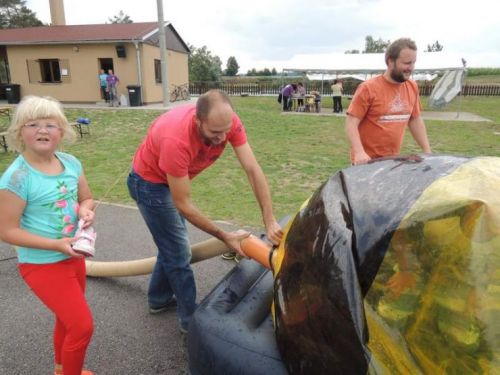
(64, 61)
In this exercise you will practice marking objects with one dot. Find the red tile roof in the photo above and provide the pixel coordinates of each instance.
(78, 33)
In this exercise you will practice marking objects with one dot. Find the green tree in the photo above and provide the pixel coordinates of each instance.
(120, 18)
(14, 14)
(436, 47)
(274, 72)
(232, 66)
(375, 46)
(203, 66)
(216, 68)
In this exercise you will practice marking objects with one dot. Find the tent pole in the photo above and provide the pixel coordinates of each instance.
(461, 92)
(322, 80)
(282, 80)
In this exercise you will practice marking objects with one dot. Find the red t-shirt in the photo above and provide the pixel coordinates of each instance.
(385, 109)
(173, 145)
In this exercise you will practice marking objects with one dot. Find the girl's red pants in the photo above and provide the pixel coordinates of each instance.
(61, 287)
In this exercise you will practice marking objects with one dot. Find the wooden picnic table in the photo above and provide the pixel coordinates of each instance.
(4, 111)
(3, 141)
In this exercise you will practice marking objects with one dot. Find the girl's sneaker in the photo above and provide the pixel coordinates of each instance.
(85, 243)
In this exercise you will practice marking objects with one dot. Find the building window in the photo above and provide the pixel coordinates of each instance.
(157, 71)
(50, 70)
(4, 71)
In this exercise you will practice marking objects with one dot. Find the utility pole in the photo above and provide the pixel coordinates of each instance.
(163, 53)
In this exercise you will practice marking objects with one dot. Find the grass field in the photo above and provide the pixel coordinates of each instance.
(492, 79)
(297, 153)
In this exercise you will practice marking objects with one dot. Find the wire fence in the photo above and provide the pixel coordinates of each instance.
(271, 89)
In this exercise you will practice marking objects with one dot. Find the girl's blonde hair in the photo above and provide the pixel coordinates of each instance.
(33, 108)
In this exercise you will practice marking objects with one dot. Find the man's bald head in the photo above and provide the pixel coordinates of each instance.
(214, 116)
(212, 99)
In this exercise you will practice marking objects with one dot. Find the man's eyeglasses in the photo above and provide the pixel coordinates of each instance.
(36, 127)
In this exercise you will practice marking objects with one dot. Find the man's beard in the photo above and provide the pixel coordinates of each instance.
(398, 76)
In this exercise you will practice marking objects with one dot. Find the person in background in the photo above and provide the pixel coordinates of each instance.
(337, 95)
(103, 84)
(287, 93)
(179, 145)
(113, 82)
(317, 101)
(384, 106)
(301, 93)
(43, 194)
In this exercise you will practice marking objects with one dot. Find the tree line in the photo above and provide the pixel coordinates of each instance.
(204, 66)
(380, 45)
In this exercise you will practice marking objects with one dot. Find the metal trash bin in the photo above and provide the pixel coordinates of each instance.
(134, 95)
(13, 93)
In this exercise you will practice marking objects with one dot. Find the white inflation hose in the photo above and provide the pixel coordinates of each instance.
(200, 251)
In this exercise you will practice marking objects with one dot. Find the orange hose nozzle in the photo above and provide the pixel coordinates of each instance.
(257, 249)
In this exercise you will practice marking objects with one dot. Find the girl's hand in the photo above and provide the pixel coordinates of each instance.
(87, 216)
(63, 245)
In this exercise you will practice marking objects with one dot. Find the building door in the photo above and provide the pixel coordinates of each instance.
(106, 64)
(4, 72)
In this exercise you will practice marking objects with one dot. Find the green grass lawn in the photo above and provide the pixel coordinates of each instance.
(297, 153)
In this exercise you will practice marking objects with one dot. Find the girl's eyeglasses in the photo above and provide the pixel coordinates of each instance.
(36, 127)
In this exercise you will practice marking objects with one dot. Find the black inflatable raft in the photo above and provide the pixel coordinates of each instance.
(231, 332)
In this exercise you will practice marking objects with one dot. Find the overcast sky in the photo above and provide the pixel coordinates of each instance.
(265, 33)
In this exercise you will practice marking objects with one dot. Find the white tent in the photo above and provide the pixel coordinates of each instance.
(365, 65)
(364, 76)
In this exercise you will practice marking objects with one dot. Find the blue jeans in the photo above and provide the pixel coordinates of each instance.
(172, 274)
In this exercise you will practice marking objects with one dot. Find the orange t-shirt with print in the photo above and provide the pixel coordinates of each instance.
(384, 109)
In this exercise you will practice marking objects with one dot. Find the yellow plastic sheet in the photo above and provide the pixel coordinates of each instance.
(437, 293)
(393, 268)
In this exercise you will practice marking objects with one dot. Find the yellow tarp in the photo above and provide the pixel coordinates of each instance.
(434, 306)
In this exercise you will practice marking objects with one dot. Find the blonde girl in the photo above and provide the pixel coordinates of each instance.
(43, 194)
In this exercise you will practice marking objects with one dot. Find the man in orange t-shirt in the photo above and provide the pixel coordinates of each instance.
(383, 106)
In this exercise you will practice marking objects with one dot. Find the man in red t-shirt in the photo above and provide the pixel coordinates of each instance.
(179, 145)
(383, 106)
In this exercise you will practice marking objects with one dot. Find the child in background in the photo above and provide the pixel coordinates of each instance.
(300, 93)
(103, 84)
(43, 194)
(317, 101)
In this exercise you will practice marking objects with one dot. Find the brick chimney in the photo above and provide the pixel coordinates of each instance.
(57, 12)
